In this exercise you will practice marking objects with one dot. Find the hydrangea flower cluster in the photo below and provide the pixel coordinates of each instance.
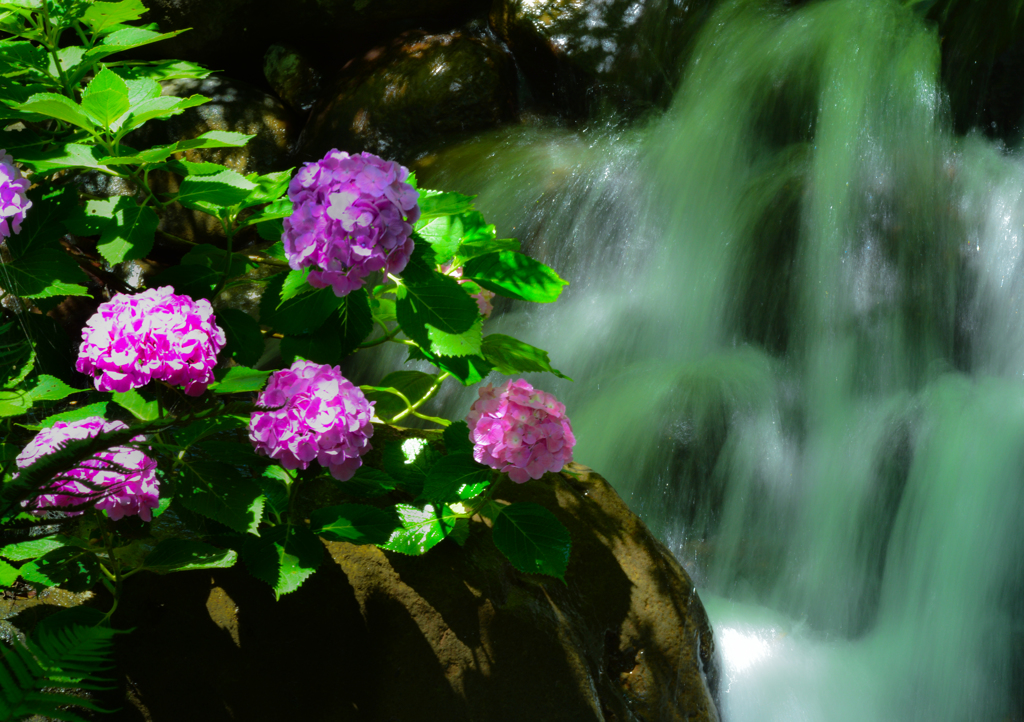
(520, 430)
(156, 334)
(121, 480)
(13, 200)
(352, 216)
(316, 413)
(479, 294)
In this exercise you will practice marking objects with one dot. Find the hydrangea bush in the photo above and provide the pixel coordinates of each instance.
(183, 403)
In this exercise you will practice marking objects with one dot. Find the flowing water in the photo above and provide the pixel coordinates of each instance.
(795, 324)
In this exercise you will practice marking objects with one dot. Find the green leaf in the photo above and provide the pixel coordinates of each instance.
(283, 557)
(408, 463)
(276, 483)
(456, 438)
(533, 539)
(355, 523)
(140, 408)
(216, 490)
(240, 379)
(101, 15)
(295, 284)
(191, 280)
(33, 548)
(421, 529)
(245, 341)
(369, 482)
(37, 259)
(158, 153)
(207, 254)
(84, 412)
(444, 235)
(125, 39)
(59, 157)
(467, 369)
(159, 108)
(422, 266)
(272, 230)
(70, 568)
(511, 356)
(439, 302)
(356, 321)
(105, 99)
(269, 189)
(210, 193)
(413, 384)
(8, 574)
(451, 474)
(52, 105)
(478, 246)
(51, 388)
(162, 70)
(467, 343)
(299, 315)
(178, 555)
(322, 346)
(434, 204)
(131, 234)
(515, 275)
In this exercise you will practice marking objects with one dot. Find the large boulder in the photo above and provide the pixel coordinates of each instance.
(413, 93)
(581, 56)
(233, 35)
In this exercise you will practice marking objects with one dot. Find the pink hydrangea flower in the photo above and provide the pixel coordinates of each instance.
(352, 216)
(154, 335)
(121, 480)
(316, 413)
(13, 200)
(520, 430)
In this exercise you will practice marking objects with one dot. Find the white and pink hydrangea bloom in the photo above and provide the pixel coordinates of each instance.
(353, 216)
(120, 480)
(315, 414)
(14, 201)
(151, 336)
(520, 430)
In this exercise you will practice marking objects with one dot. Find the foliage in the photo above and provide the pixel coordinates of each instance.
(68, 113)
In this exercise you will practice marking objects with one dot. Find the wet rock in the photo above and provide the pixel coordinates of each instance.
(582, 55)
(292, 76)
(415, 91)
(233, 35)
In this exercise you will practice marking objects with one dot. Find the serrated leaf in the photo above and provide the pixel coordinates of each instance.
(245, 341)
(125, 39)
(162, 70)
(533, 539)
(32, 548)
(158, 153)
(210, 193)
(299, 315)
(84, 412)
(467, 343)
(368, 482)
(51, 388)
(163, 107)
(467, 369)
(59, 288)
(474, 247)
(412, 384)
(434, 204)
(207, 254)
(105, 99)
(271, 230)
(132, 233)
(439, 302)
(101, 15)
(37, 259)
(60, 107)
(178, 555)
(511, 356)
(283, 557)
(190, 280)
(270, 187)
(8, 574)
(240, 379)
(58, 157)
(515, 275)
(456, 438)
(216, 490)
(355, 523)
(295, 284)
(451, 474)
(70, 568)
(139, 407)
(421, 530)
(408, 463)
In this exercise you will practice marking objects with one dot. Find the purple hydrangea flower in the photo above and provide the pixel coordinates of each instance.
(316, 413)
(352, 216)
(151, 335)
(121, 480)
(13, 201)
(520, 430)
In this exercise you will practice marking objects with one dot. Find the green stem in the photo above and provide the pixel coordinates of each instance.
(51, 46)
(411, 408)
(229, 232)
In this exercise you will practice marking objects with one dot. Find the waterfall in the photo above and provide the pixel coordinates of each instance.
(796, 325)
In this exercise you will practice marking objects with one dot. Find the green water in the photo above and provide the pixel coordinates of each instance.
(796, 332)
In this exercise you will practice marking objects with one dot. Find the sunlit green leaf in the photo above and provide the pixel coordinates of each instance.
(451, 474)
(421, 530)
(355, 523)
(240, 379)
(511, 356)
(140, 408)
(105, 99)
(515, 275)
(177, 555)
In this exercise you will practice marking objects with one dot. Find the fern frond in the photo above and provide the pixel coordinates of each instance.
(35, 678)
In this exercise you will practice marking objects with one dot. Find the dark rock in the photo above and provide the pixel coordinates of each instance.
(233, 35)
(292, 76)
(413, 92)
(582, 55)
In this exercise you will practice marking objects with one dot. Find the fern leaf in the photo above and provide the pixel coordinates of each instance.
(36, 677)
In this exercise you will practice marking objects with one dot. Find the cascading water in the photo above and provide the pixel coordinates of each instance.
(796, 325)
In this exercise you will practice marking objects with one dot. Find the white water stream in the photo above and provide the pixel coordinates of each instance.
(795, 324)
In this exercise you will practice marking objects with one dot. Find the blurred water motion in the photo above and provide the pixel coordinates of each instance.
(795, 328)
